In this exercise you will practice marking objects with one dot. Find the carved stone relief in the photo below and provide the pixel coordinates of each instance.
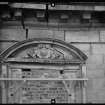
(45, 51)
(42, 52)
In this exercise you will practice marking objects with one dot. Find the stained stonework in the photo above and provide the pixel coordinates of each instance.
(87, 37)
(95, 61)
(43, 71)
(40, 33)
(12, 34)
(82, 36)
(40, 92)
(95, 53)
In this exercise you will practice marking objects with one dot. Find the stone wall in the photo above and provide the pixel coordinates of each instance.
(90, 41)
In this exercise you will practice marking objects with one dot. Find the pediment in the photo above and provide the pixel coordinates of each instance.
(44, 50)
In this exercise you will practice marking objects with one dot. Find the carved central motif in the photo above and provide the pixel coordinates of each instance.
(45, 51)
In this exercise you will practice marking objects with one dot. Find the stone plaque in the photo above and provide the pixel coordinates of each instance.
(38, 92)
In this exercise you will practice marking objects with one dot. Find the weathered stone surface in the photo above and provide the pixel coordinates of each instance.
(12, 34)
(95, 59)
(96, 90)
(89, 88)
(95, 62)
(46, 33)
(58, 35)
(102, 36)
(81, 36)
(95, 71)
(5, 45)
(53, 22)
(40, 33)
(95, 66)
(98, 94)
(85, 48)
(98, 48)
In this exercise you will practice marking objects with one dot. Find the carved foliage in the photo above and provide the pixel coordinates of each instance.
(45, 51)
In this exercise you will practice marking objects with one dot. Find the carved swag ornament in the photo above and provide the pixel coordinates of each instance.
(45, 51)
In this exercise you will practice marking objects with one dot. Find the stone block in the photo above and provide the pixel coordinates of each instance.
(102, 36)
(96, 71)
(40, 33)
(99, 8)
(58, 35)
(99, 83)
(95, 66)
(85, 48)
(53, 22)
(46, 34)
(98, 48)
(95, 59)
(12, 34)
(96, 92)
(82, 36)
